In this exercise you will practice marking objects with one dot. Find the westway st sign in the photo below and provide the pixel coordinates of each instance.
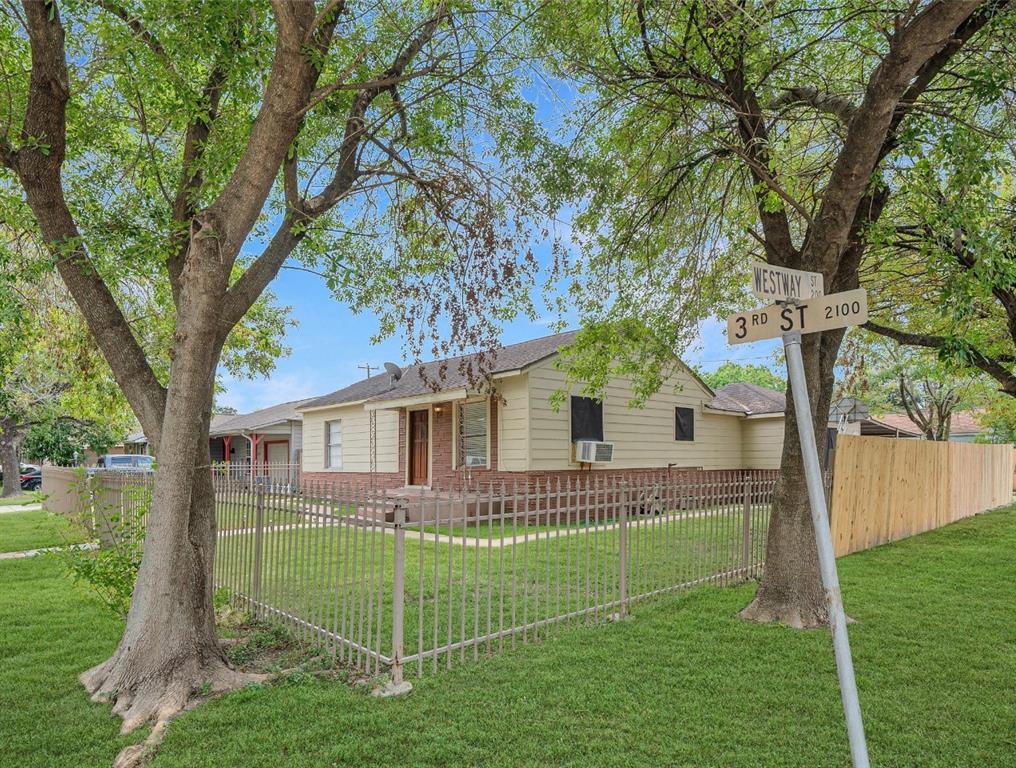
(782, 284)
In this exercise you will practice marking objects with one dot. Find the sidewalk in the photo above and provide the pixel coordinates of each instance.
(44, 550)
(20, 507)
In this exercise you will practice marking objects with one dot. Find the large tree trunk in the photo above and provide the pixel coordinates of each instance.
(791, 590)
(9, 465)
(169, 646)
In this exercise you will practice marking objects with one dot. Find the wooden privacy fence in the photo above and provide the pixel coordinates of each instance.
(884, 490)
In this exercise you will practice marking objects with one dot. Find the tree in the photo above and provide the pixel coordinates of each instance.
(945, 273)
(64, 440)
(914, 381)
(708, 134)
(731, 373)
(49, 369)
(372, 143)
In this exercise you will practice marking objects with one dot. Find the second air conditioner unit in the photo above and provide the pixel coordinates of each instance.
(594, 452)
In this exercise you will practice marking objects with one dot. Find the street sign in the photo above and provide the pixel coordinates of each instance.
(822, 314)
(782, 284)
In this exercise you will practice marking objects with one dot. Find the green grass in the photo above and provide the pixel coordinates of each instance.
(33, 529)
(23, 498)
(52, 630)
(682, 683)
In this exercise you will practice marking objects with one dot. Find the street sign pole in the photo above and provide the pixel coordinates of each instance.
(826, 556)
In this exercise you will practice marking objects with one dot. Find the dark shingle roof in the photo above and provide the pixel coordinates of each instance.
(451, 373)
(750, 399)
(224, 424)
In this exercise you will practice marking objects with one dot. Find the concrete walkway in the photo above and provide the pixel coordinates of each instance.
(44, 550)
(20, 507)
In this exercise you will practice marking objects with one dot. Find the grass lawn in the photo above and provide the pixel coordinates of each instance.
(36, 528)
(23, 498)
(682, 683)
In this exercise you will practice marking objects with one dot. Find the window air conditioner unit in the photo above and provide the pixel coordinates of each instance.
(593, 452)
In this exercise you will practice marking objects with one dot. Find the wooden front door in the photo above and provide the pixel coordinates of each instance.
(419, 447)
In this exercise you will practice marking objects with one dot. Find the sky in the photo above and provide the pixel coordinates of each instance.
(329, 344)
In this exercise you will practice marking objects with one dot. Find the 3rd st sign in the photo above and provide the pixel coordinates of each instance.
(822, 314)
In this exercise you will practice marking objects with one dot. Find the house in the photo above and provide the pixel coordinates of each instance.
(264, 442)
(436, 430)
(137, 443)
(763, 409)
(270, 437)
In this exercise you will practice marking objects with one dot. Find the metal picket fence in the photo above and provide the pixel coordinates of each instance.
(414, 583)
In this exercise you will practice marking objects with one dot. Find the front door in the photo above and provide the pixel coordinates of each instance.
(419, 446)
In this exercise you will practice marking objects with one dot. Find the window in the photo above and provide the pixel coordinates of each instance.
(586, 419)
(333, 444)
(120, 461)
(473, 433)
(684, 424)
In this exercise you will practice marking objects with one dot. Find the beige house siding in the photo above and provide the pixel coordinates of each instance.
(355, 439)
(513, 424)
(762, 442)
(641, 437)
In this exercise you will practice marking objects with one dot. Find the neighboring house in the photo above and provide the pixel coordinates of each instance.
(270, 437)
(136, 442)
(434, 430)
(963, 427)
(763, 427)
(263, 442)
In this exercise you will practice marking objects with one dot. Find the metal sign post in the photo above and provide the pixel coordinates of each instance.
(826, 556)
(791, 317)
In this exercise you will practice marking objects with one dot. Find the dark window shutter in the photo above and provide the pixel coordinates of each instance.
(586, 419)
(684, 423)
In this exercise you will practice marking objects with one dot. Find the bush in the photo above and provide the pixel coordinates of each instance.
(112, 570)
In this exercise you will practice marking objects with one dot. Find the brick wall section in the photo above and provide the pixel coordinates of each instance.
(444, 477)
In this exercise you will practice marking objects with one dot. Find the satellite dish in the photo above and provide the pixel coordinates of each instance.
(394, 371)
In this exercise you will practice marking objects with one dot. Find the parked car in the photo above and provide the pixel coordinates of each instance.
(31, 478)
(24, 471)
(125, 462)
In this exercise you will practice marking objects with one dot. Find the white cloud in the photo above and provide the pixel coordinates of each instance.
(248, 396)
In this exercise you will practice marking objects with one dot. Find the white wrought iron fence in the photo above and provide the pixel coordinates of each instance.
(416, 583)
(422, 582)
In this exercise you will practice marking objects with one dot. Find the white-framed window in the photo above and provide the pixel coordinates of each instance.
(472, 419)
(333, 444)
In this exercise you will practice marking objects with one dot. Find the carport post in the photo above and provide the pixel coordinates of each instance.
(826, 556)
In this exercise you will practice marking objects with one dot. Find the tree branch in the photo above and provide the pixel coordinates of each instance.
(38, 164)
(912, 50)
(990, 365)
(818, 100)
(191, 176)
(246, 290)
(139, 31)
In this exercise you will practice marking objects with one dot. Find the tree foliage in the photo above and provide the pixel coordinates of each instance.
(912, 381)
(751, 373)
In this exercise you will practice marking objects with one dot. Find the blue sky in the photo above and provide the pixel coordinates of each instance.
(329, 342)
